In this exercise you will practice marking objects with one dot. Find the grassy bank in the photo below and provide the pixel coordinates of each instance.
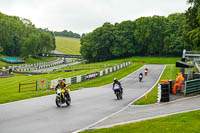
(68, 45)
(168, 74)
(179, 123)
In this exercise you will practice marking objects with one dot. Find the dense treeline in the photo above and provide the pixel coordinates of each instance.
(66, 33)
(19, 37)
(192, 28)
(146, 36)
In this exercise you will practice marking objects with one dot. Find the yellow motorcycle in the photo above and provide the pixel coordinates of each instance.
(62, 97)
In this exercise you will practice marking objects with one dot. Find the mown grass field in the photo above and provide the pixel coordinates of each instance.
(9, 86)
(179, 123)
(168, 74)
(68, 45)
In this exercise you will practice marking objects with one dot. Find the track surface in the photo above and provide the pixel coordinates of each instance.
(88, 106)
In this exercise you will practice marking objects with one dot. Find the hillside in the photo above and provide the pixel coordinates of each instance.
(68, 45)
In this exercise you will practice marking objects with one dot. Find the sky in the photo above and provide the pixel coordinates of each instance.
(83, 16)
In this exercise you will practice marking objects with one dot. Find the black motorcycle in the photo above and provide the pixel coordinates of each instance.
(118, 93)
(62, 97)
(140, 77)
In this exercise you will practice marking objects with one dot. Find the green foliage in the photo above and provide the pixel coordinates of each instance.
(146, 36)
(66, 33)
(169, 124)
(19, 37)
(30, 43)
(97, 46)
(192, 27)
(68, 45)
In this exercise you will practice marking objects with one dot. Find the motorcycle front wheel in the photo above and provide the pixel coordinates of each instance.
(58, 102)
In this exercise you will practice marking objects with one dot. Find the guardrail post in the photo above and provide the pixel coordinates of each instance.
(185, 88)
(36, 85)
(19, 87)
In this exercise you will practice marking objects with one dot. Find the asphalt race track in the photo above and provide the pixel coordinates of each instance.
(88, 106)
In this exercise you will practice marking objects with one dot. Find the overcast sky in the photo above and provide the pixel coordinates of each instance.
(82, 16)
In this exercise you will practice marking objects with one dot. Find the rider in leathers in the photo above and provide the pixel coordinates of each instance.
(62, 85)
(116, 82)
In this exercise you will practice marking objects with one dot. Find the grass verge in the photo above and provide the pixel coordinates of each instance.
(178, 123)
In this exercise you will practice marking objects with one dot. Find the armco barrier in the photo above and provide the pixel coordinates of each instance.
(82, 78)
(78, 79)
(74, 80)
(192, 87)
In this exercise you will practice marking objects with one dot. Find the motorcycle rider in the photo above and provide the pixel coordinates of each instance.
(145, 71)
(117, 84)
(140, 77)
(62, 85)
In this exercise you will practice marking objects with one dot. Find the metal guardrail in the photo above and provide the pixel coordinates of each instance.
(61, 55)
(197, 66)
(192, 86)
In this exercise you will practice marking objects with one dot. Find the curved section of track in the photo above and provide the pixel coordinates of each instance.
(88, 106)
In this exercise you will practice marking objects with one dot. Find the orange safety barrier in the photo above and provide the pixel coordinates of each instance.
(164, 81)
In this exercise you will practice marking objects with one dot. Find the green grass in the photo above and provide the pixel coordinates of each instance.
(168, 74)
(156, 60)
(9, 86)
(179, 123)
(68, 45)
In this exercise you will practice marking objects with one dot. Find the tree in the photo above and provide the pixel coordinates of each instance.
(192, 26)
(30, 46)
(17, 33)
(46, 43)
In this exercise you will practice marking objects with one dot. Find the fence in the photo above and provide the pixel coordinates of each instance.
(27, 86)
(81, 78)
(192, 87)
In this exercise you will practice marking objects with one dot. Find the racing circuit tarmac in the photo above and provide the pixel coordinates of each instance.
(89, 105)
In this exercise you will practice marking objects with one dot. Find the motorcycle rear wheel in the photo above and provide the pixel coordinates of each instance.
(68, 101)
(118, 95)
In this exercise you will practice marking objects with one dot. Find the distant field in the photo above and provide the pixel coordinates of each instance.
(68, 45)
